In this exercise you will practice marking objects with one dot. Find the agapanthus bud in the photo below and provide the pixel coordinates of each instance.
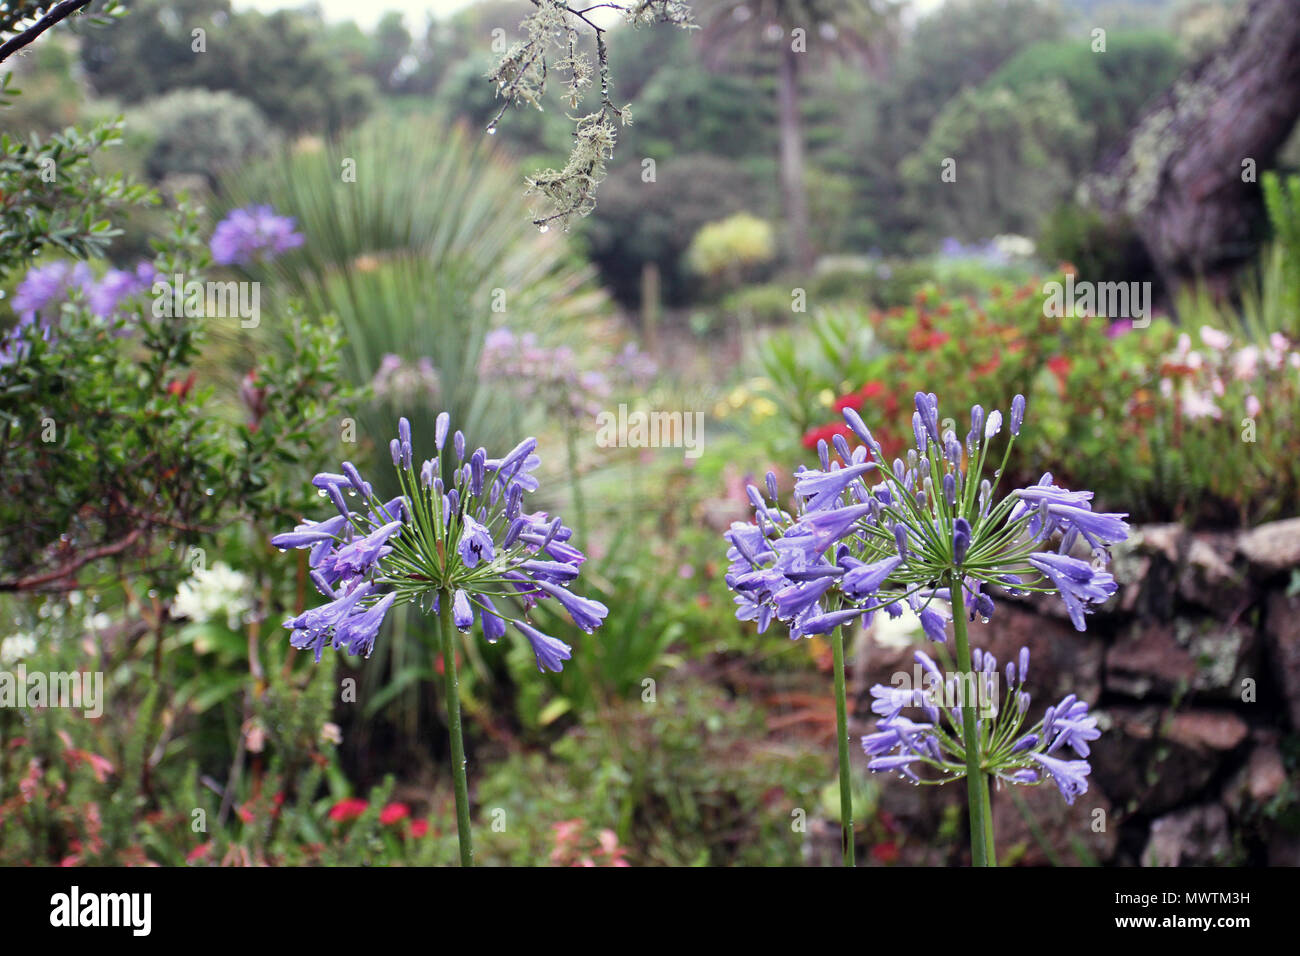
(359, 485)
(928, 410)
(440, 426)
(771, 487)
(462, 615)
(976, 425)
(476, 472)
(1017, 413)
(859, 428)
(961, 531)
(952, 450)
(994, 424)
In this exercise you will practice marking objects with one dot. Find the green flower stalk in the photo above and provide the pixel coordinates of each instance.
(928, 533)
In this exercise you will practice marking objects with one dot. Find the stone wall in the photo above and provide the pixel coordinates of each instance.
(1194, 671)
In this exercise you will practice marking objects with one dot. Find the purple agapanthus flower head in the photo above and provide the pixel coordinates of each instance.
(255, 234)
(929, 751)
(869, 534)
(451, 544)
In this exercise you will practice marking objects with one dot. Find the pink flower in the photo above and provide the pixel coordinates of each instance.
(1199, 405)
(1253, 407)
(394, 813)
(1245, 364)
(1215, 339)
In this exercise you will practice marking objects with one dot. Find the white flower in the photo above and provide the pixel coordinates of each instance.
(1215, 339)
(16, 648)
(895, 633)
(213, 591)
(1014, 247)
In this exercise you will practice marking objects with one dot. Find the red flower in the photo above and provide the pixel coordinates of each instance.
(348, 809)
(827, 432)
(394, 813)
(1060, 367)
(181, 389)
(854, 400)
(199, 852)
(885, 853)
(419, 829)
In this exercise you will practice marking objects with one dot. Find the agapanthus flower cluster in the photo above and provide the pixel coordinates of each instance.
(929, 749)
(403, 381)
(255, 234)
(549, 374)
(867, 535)
(468, 537)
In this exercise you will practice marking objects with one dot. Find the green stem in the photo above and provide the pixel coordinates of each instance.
(579, 506)
(842, 731)
(977, 789)
(452, 685)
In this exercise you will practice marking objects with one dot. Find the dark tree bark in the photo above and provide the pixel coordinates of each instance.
(1180, 178)
(38, 18)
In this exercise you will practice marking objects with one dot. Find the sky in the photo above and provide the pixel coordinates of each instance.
(366, 13)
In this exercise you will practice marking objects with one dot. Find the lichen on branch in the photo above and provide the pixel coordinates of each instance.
(553, 44)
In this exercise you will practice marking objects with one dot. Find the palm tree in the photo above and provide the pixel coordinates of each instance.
(862, 30)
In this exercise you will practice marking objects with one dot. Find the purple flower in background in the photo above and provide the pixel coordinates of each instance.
(46, 287)
(118, 285)
(250, 235)
(554, 376)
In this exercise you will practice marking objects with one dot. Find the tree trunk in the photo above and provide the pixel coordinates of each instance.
(794, 197)
(1180, 176)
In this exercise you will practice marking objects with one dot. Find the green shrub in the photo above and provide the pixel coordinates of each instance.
(203, 133)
